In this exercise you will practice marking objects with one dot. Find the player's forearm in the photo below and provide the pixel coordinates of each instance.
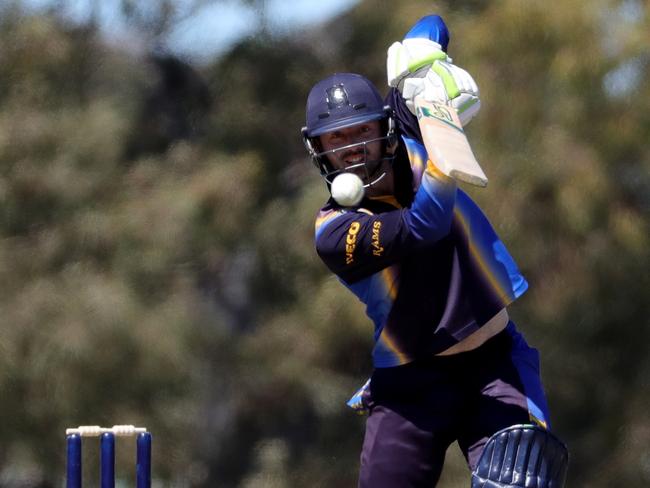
(429, 218)
(355, 245)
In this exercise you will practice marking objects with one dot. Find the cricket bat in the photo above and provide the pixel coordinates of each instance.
(446, 142)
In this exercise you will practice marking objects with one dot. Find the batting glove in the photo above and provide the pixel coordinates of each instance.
(419, 67)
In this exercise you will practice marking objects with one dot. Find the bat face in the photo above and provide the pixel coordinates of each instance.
(441, 112)
(447, 144)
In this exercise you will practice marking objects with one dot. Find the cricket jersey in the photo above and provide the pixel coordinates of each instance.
(430, 274)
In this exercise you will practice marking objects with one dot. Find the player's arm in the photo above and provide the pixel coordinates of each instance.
(443, 96)
(406, 121)
(357, 244)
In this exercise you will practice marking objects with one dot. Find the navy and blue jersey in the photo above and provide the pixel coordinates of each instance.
(430, 273)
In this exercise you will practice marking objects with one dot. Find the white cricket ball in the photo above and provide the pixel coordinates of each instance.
(347, 189)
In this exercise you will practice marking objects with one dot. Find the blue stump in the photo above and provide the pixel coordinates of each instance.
(74, 461)
(107, 461)
(143, 460)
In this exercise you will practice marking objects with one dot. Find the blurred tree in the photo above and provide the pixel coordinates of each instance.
(174, 107)
(156, 219)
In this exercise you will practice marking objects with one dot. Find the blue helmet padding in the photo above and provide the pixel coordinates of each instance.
(431, 27)
(342, 100)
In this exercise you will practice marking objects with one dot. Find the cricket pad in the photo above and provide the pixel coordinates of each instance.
(522, 456)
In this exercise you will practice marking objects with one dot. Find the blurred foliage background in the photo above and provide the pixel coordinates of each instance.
(156, 219)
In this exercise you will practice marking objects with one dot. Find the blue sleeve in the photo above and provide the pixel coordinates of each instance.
(357, 244)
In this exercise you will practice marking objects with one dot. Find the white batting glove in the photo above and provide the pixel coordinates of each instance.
(419, 67)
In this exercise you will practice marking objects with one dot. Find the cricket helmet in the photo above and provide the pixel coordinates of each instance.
(340, 101)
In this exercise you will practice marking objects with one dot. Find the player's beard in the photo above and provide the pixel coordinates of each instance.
(381, 181)
(377, 169)
(371, 167)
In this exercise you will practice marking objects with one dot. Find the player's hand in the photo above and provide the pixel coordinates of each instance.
(419, 67)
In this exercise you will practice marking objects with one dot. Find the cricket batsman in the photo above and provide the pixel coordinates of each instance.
(449, 364)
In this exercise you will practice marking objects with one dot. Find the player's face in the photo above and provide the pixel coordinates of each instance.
(357, 134)
(348, 149)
